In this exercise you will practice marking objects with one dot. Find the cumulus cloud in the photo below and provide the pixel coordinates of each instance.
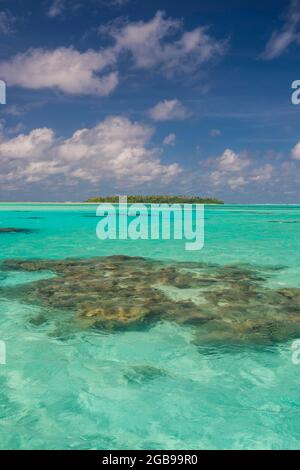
(27, 146)
(163, 44)
(232, 162)
(236, 171)
(263, 174)
(220, 178)
(116, 150)
(168, 110)
(160, 44)
(65, 69)
(280, 40)
(170, 139)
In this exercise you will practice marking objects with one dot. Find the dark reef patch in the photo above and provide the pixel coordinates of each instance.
(145, 373)
(16, 230)
(284, 221)
(222, 304)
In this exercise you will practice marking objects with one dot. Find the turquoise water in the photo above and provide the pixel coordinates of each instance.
(153, 388)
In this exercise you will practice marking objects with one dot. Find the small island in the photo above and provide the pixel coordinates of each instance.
(157, 200)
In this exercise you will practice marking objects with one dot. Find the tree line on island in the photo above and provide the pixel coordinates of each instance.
(157, 200)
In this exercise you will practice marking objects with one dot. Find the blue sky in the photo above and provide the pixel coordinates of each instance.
(130, 97)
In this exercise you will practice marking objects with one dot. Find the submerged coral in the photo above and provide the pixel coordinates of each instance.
(144, 373)
(228, 304)
(15, 230)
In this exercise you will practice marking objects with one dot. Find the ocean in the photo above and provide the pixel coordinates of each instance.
(199, 357)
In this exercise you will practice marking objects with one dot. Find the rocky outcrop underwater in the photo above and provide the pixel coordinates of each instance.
(224, 304)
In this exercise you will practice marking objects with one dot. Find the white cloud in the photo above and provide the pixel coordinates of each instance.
(215, 132)
(280, 40)
(6, 23)
(30, 146)
(220, 178)
(230, 161)
(65, 69)
(117, 3)
(14, 110)
(170, 139)
(116, 149)
(162, 43)
(236, 171)
(237, 182)
(168, 110)
(34, 172)
(296, 152)
(58, 7)
(263, 174)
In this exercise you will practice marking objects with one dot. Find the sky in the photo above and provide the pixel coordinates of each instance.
(109, 97)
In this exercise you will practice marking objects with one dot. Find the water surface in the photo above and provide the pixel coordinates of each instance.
(146, 388)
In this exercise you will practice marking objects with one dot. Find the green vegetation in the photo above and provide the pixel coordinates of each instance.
(158, 200)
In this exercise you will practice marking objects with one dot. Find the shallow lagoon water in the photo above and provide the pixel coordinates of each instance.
(153, 388)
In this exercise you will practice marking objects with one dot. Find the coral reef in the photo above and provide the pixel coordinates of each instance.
(222, 304)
